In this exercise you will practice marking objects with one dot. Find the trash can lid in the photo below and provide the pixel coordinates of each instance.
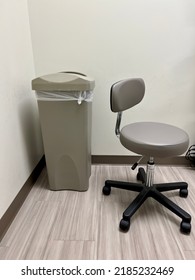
(63, 81)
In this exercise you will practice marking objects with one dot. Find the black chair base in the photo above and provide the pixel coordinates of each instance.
(155, 192)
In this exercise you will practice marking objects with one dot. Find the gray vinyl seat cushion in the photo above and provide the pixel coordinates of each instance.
(154, 139)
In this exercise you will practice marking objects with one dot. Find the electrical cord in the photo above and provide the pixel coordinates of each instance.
(190, 155)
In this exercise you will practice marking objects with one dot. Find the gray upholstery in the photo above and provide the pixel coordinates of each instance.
(145, 138)
(126, 94)
(154, 139)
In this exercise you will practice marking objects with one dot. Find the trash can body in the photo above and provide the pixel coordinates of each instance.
(66, 132)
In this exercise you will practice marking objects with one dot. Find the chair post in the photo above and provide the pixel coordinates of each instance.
(150, 172)
(118, 123)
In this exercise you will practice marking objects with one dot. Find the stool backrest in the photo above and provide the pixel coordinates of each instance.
(126, 94)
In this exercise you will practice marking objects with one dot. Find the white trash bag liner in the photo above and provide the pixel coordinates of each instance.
(78, 96)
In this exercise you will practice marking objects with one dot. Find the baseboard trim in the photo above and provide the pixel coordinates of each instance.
(102, 159)
(13, 209)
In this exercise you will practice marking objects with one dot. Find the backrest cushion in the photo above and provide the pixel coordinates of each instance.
(126, 94)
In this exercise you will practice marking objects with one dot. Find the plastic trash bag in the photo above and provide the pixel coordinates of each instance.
(78, 96)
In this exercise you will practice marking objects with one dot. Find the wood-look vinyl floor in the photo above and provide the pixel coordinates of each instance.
(85, 225)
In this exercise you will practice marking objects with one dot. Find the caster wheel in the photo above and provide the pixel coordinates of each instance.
(183, 193)
(106, 190)
(124, 225)
(140, 175)
(185, 227)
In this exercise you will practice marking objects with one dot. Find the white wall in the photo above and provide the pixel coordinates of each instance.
(20, 141)
(111, 40)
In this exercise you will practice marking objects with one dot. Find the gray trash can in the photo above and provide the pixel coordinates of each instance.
(65, 106)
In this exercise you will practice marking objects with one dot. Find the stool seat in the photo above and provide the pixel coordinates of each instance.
(154, 139)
